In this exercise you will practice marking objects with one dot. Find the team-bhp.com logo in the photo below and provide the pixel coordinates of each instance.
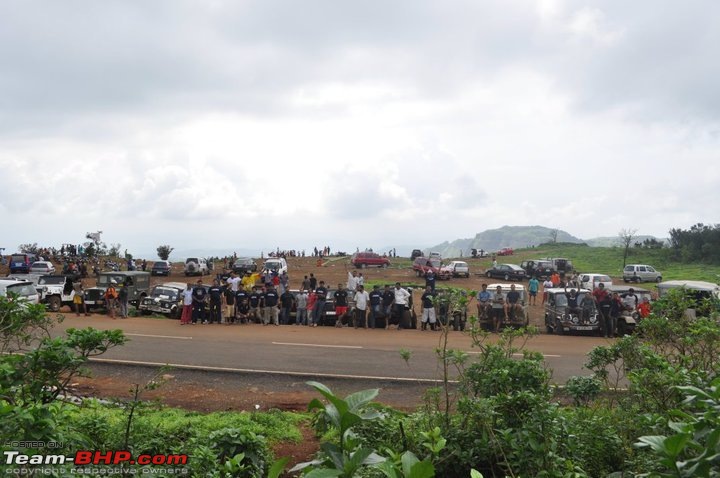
(83, 458)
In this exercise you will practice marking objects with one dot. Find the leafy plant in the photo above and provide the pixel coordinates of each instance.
(341, 415)
(694, 449)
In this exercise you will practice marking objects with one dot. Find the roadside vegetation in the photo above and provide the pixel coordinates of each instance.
(649, 406)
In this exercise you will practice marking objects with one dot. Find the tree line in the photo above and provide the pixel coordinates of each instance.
(700, 243)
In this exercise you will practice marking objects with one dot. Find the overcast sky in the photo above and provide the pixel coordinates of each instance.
(263, 124)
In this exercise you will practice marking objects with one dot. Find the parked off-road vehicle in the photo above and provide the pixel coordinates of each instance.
(196, 266)
(629, 319)
(137, 283)
(540, 268)
(164, 299)
(561, 319)
(56, 291)
(515, 318)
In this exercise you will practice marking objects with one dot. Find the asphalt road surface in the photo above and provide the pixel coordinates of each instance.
(311, 352)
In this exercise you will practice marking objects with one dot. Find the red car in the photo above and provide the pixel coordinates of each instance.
(505, 251)
(367, 259)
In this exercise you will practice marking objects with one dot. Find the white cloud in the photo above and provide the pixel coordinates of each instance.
(282, 124)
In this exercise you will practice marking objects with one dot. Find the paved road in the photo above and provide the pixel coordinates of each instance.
(320, 351)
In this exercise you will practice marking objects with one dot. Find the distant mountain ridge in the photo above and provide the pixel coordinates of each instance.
(518, 237)
(507, 236)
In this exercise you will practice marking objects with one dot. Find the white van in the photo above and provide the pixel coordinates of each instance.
(641, 273)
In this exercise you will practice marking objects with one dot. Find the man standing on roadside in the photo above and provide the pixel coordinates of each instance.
(123, 301)
(199, 296)
(270, 301)
(287, 299)
(401, 301)
(361, 305)
(301, 301)
(187, 296)
(376, 298)
(341, 305)
(320, 298)
(215, 293)
(388, 299)
(79, 298)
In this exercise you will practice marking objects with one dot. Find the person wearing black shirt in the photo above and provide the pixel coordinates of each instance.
(428, 313)
(319, 307)
(341, 304)
(199, 296)
(312, 281)
(229, 304)
(512, 303)
(255, 300)
(240, 297)
(215, 293)
(572, 300)
(270, 301)
(388, 299)
(375, 305)
(430, 278)
(287, 299)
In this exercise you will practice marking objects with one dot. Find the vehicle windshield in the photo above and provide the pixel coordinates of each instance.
(160, 264)
(18, 257)
(51, 280)
(104, 280)
(22, 289)
(165, 293)
(191, 259)
(603, 279)
(273, 266)
(435, 262)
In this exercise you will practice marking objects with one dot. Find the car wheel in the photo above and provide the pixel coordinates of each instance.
(488, 274)
(467, 276)
(54, 303)
(658, 279)
(507, 277)
(385, 266)
(362, 265)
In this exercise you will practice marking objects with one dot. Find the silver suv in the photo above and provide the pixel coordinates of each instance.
(196, 266)
(641, 273)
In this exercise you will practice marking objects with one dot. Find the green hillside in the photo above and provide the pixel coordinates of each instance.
(608, 260)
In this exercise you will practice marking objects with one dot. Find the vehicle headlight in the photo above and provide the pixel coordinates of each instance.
(574, 319)
(593, 319)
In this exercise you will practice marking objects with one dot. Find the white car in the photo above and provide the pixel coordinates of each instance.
(42, 267)
(591, 281)
(25, 289)
(458, 269)
(196, 266)
(276, 264)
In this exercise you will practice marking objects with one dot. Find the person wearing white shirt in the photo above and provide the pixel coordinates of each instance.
(186, 316)
(400, 303)
(361, 303)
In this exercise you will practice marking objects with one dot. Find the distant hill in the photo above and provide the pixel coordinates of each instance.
(506, 236)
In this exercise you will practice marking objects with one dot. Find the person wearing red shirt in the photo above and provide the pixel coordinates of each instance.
(644, 308)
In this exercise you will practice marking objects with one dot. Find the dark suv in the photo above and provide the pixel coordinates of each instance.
(243, 265)
(367, 259)
(540, 268)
